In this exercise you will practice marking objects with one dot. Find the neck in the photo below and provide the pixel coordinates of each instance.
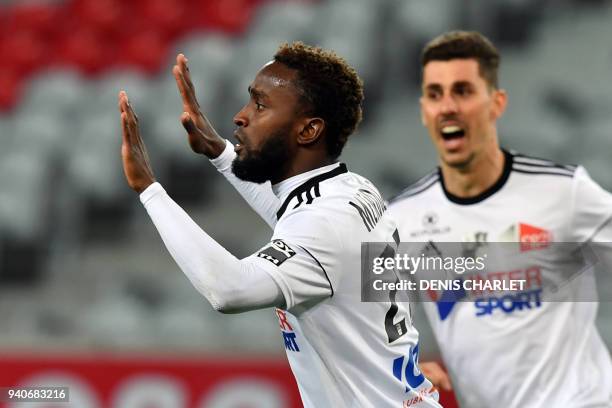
(475, 177)
(301, 165)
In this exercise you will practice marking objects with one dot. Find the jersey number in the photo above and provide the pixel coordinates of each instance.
(394, 330)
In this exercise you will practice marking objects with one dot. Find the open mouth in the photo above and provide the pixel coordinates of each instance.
(238, 146)
(451, 132)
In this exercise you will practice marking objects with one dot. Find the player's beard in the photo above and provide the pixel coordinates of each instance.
(268, 163)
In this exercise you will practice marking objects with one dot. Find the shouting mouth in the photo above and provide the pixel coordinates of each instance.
(453, 136)
(452, 132)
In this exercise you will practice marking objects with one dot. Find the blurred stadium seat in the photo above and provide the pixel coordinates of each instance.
(24, 194)
(284, 20)
(85, 48)
(10, 88)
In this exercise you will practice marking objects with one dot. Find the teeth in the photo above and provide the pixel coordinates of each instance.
(451, 129)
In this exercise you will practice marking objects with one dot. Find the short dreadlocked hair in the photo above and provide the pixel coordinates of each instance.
(465, 45)
(329, 87)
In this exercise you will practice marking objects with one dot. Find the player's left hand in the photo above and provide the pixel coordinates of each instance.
(136, 166)
(436, 374)
(202, 136)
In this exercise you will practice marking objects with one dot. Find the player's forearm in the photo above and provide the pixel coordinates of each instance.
(229, 284)
(214, 147)
(259, 196)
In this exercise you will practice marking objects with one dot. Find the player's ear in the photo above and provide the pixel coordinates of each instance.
(312, 130)
(500, 101)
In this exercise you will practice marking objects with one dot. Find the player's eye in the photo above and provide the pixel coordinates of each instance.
(433, 95)
(259, 106)
(463, 91)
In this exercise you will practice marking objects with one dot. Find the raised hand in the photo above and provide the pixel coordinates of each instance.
(136, 166)
(203, 138)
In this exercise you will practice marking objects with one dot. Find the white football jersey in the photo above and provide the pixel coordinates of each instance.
(526, 353)
(343, 352)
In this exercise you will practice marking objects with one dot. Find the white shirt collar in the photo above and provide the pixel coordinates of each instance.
(282, 189)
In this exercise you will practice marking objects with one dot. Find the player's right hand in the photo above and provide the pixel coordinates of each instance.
(136, 165)
(436, 374)
(203, 138)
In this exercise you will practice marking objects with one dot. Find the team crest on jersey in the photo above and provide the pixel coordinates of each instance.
(276, 252)
(473, 243)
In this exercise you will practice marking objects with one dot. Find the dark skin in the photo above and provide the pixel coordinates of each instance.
(136, 166)
(274, 103)
(202, 137)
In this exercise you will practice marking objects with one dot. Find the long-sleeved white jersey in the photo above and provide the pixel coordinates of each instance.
(343, 352)
(519, 351)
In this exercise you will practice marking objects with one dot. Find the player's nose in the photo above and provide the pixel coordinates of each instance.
(240, 119)
(448, 105)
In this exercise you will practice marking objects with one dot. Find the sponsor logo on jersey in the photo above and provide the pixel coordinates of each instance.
(276, 252)
(289, 336)
(446, 300)
(489, 302)
(531, 237)
(528, 236)
(507, 304)
(422, 395)
(406, 370)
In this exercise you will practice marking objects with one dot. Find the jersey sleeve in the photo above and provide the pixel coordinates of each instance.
(260, 197)
(304, 259)
(230, 285)
(592, 210)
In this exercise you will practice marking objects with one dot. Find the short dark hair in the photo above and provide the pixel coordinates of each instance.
(465, 45)
(329, 87)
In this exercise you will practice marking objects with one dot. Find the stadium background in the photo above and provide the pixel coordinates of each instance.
(88, 295)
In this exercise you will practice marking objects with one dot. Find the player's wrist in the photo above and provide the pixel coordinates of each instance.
(140, 187)
(214, 147)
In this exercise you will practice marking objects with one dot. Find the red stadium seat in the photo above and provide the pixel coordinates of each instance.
(23, 51)
(86, 49)
(96, 35)
(146, 50)
(105, 16)
(231, 16)
(10, 89)
(43, 19)
(169, 17)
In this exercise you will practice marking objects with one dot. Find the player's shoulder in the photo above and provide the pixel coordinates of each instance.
(418, 188)
(333, 196)
(353, 191)
(536, 167)
(327, 191)
(309, 192)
